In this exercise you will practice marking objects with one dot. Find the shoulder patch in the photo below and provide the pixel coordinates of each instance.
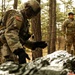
(18, 18)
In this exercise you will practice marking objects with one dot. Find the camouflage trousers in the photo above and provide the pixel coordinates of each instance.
(5, 51)
(70, 44)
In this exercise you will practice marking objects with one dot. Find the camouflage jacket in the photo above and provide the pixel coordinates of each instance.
(16, 29)
(68, 26)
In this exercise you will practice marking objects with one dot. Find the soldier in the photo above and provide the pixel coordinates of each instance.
(69, 30)
(17, 31)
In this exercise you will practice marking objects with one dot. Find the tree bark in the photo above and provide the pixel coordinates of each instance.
(15, 4)
(52, 26)
(36, 29)
(3, 7)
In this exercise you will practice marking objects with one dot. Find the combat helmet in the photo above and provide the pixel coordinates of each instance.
(34, 4)
(71, 13)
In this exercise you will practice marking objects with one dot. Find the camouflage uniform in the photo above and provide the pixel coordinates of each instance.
(69, 30)
(10, 37)
(17, 32)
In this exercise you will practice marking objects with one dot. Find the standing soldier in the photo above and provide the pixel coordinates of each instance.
(69, 30)
(17, 31)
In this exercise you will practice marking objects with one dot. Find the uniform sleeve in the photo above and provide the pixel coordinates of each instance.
(64, 26)
(13, 26)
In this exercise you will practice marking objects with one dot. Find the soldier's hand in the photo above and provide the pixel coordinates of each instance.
(39, 44)
(22, 55)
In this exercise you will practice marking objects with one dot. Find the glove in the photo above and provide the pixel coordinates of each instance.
(22, 56)
(23, 37)
(39, 44)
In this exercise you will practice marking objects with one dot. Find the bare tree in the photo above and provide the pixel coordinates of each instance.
(3, 6)
(36, 29)
(15, 4)
(52, 26)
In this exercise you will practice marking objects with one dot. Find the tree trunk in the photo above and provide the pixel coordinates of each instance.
(36, 29)
(53, 37)
(15, 4)
(3, 7)
(52, 26)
